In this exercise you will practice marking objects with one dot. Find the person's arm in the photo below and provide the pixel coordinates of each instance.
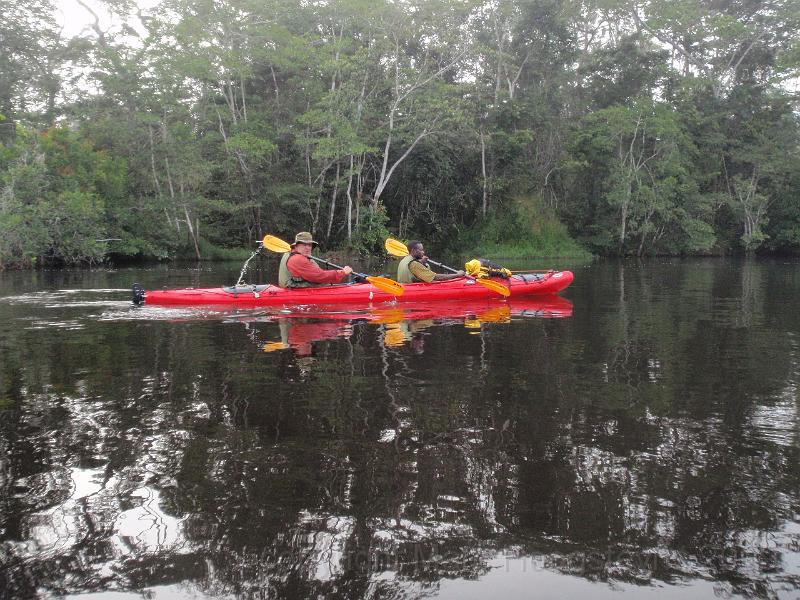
(421, 272)
(308, 270)
(447, 276)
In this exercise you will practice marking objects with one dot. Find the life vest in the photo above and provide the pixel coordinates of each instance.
(286, 279)
(404, 274)
(481, 268)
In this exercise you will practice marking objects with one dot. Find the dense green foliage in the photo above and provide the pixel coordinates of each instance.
(643, 127)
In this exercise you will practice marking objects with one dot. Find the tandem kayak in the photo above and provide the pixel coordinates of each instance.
(521, 285)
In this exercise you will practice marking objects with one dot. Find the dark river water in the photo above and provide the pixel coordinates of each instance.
(638, 437)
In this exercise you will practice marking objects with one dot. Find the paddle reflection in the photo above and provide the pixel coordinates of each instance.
(300, 334)
(403, 325)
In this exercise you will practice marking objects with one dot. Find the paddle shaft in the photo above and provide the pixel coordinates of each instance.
(441, 266)
(452, 270)
(330, 264)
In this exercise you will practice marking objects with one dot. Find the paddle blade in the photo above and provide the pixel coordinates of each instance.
(273, 346)
(275, 244)
(396, 247)
(387, 285)
(495, 287)
(498, 314)
(394, 337)
(388, 316)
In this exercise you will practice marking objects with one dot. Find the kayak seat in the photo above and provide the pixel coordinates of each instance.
(245, 289)
(528, 277)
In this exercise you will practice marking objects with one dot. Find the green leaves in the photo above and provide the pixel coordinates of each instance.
(637, 158)
(75, 221)
(639, 125)
(53, 209)
(255, 148)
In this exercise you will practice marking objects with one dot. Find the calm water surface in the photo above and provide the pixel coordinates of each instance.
(639, 437)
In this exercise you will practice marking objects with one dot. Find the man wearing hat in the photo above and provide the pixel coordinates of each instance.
(298, 269)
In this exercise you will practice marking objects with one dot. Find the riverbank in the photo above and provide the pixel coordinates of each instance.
(527, 229)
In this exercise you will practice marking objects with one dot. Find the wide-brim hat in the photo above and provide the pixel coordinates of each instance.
(304, 237)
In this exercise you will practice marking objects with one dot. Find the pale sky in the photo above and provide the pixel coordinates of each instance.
(75, 18)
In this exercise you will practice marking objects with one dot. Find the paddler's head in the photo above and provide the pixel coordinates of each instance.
(416, 250)
(304, 243)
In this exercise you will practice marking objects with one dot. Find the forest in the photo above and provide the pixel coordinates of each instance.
(191, 128)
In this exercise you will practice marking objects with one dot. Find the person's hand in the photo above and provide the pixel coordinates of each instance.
(347, 270)
(460, 273)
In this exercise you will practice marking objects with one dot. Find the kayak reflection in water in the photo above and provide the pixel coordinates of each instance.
(406, 325)
(299, 335)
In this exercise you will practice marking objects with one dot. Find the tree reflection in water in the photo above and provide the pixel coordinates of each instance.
(650, 439)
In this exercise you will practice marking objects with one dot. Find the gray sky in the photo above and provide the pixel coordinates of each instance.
(75, 18)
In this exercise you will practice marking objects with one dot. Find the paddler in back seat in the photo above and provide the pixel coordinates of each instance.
(414, 267)
(298, 269)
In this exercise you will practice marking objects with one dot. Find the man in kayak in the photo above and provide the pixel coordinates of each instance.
(414, 268)
(298, 269)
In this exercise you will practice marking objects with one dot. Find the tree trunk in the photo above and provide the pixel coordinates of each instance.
(624, 218)
(483, 171)
(350, 202)
(153, 162)
(275, 83)
(333, 204)
(244, 101)
(171, 192)
(192, 233)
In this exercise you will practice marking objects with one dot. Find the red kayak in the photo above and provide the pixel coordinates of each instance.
(521, 286)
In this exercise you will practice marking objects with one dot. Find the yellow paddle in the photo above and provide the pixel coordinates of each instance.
(384, 284)
(399, 249)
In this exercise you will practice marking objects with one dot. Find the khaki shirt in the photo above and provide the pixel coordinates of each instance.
(421, 272)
